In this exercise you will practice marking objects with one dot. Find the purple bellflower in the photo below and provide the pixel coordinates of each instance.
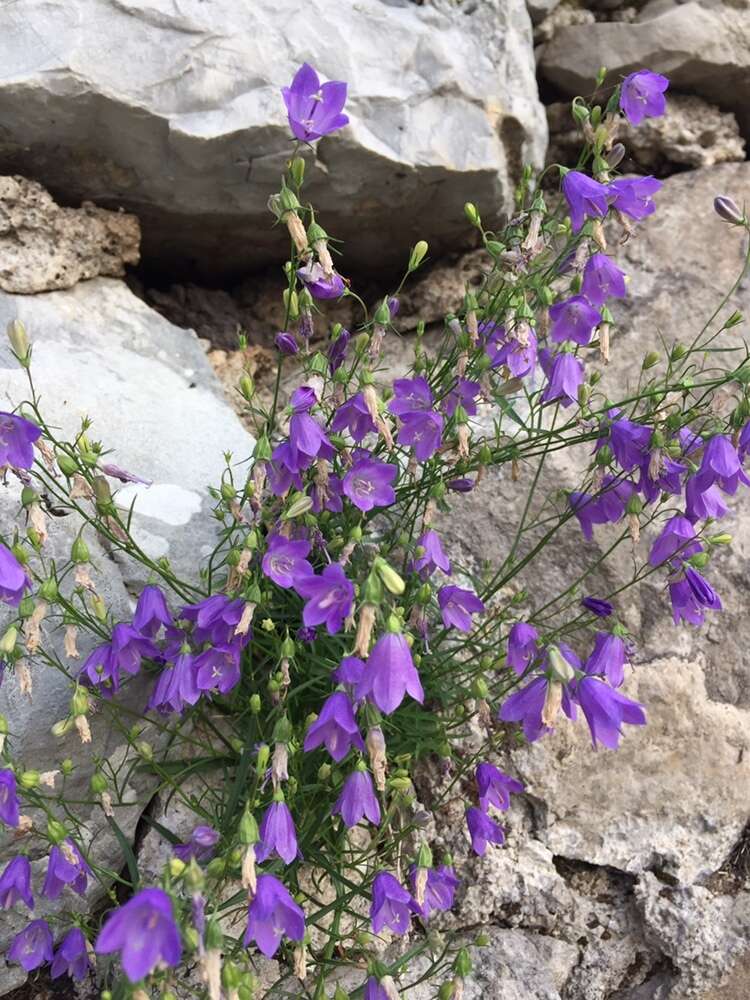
(587, 198)
(71, 958)
(464, 393)
(457, 605)
(629, 442)
(690, 594)
(17, 437)
(527, 706)
(573, 319)
(349, 671)
(642, 96)
(390, 674)
(273, 914)
(151, 612)
(373, 990)
(369, 483)
(144, 931)
(354, 416)
(433, 557)
(218, 668)
(66, 866)
(319, 284)
(285, 560)
(314, 109)
(335, 727)
(564, 379)
(701, 503)
(483, 830)
(337, 349)
(597, 606)
(9, 809)
(32, 947)
(606, 711)
(721, 465)
(329, 597)
(358, 800)
(676, 540)
(495, 788)
(422, 432)
(410, 395)
(608, 658)
(286, 343)
(522, 646)
(390, 905)
(277, 833)
(13, 578)
(15, 883)
(602, 279)
(633, 196)
(176, 686)
(215, 618)
(439, 890)
(203, 840)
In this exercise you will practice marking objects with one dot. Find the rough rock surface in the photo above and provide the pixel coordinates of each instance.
(173, 111)
(98, 350)
(693, 133)
(45, 247)
(702, 47)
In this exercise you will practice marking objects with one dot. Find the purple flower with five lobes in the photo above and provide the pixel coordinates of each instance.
(668, 480)
(13, 578)
(319, 284)
(587, 198)
(349, 671)
(218, 668)
(314, 109)
(9, 810)
(483, 830)
(307, 440)
(144, 932)
(606, 711)
(504, 349)
(689, 595)
(522, 647)
(201, 845)
(284, 561)
(66, 866)
(602, 279)
(573, 319)
(439, 890)
(176, 686)
(357, 800)
(607, 507)
(464, 393)
(71, 958)
(286, 343)
(423, 432)
(390, 674)
(457, 605)
(32, 947)
(337, 351)
(369, 483)
(701, 503)
(277, 833)
(564, 378)
(642, 96)
(328, 596)
(128, 647)
(608, 658)
(527, 704)
(390, 905)
(280, 478)
(721, 465)
(17, 437)
(271, 915)
(629, 442)
(335, 727)
(410, 395)
(597, 606)
(15, 883)
(151, 611)
(374, 991)
(495, 787)
(216, 618)
(433, 557)
(676, 539)
(633, 196)
(353, 416)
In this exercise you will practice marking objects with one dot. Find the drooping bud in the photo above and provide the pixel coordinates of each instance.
(728, 210)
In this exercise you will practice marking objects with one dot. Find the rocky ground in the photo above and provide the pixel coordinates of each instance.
(132, 212)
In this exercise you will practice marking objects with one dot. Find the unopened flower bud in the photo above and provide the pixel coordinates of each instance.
(651, 359)
(728, 210)
(471, 213)
(8, 641)
(616, 155)
(56, 831)
(417, 255)
(19, 341)
(560, 668)
(393, 582)
(300, 504)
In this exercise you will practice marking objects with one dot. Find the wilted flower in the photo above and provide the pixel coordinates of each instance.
(457, 605)
(390, 674)
(314, 109)
(271, 915)
(390, 904)
(32, 947)
(17, 437)
(642, 96)
(66, 866)
(358, 800)
(71, 958)
(495, 788)
(144, 932)
(15, 883)
(483, 830)
(329, 597)
(336, 727)
(439, 890)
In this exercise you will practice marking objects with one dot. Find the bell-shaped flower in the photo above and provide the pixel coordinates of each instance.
(32, 947)
(144, 932)
(483, 830)
(335, 727)
(390, 674)
(72, 957)
(495, 788)
(329, 597)
(314, 109)
(390, 905)
(358, 800)
(271, 915)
